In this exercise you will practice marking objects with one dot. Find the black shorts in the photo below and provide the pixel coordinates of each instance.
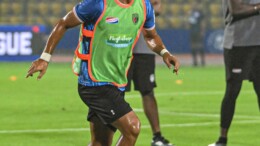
(105, 102)
(142, 72)
(242, 63)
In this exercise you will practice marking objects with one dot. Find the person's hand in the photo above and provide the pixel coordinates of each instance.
(170, 60)
(37, 65)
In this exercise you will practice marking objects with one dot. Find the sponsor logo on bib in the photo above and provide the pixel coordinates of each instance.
(112, 20)
(119, 41)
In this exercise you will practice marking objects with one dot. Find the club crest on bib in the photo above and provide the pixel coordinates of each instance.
(135, 18)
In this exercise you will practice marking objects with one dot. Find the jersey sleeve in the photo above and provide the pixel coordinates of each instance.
(88, 10)
(150, 16)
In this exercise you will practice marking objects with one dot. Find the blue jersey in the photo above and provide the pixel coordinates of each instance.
(88, 12)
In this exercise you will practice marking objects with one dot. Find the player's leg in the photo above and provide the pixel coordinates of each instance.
(144, 82)
(202, 56)
(235, 68)
(107, 103)
(194, 56)
(256, 73)
(151, 110)
(256, 84)
(227, 110)
(228, 105)
(129, 126)
(195, 49)
(101, 132)
(101, 135)
(129, 130)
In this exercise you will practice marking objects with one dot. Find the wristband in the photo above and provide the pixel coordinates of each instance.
(46, 57)
(163, 51)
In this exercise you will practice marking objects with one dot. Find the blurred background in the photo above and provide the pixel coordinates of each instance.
(50, 113)
(192, 29)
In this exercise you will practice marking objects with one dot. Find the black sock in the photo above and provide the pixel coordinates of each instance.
(157, 134)
(222, 140)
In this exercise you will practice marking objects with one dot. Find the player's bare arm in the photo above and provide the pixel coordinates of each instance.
(240, 10)
(155, 43)
(41, 64)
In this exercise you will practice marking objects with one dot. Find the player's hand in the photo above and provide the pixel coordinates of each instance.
(37, 65)
(170, 61)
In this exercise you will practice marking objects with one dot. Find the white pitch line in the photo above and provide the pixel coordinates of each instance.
(204, 124)
(43, 130)
(148, 126)
(144, 126)
(200, 114)
(190, 93)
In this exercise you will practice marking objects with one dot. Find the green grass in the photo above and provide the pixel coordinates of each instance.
(189, 112)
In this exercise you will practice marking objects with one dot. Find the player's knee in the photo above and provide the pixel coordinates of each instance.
(232, 89)
(147, 93)
(130, 127)
(135, 128)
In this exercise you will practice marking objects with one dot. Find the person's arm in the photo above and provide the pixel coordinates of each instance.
(240, 10)
(41, 64)
(155, 43)
(156, 6)
(69, 21)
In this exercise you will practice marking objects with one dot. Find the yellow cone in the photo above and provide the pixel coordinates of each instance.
(13, 78)
(179, 82)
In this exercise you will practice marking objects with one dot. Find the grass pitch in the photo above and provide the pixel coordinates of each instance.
(49, 112)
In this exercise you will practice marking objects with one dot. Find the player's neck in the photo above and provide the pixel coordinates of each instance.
(125, 1)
